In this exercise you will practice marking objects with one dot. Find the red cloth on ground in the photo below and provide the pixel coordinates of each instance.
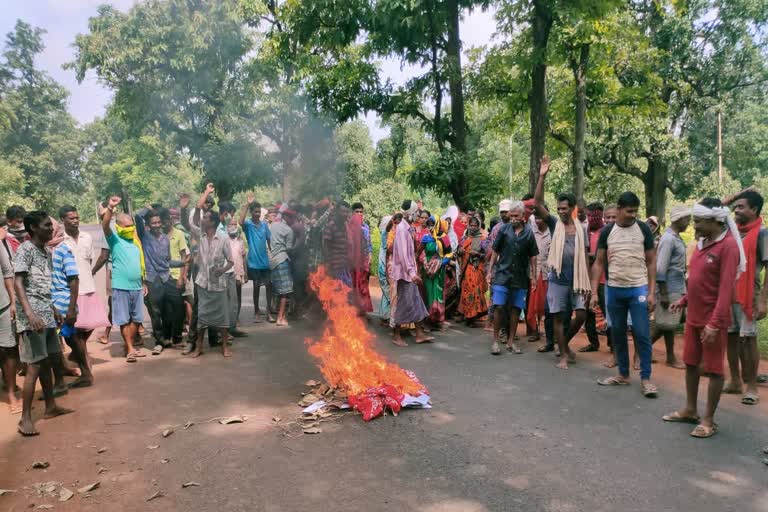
(745, 286)
(711, 284)
(375, 401)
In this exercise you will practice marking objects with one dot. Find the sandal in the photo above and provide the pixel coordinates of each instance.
(650, 391)
(546, 348)
(762, 378)
(495, 348)
(513, 349)
(130, 358)
(612, 381)
(676, 417)
(703, 432)
(750, 399)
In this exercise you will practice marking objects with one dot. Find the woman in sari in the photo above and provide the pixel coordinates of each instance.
(384, 307)
(390, 240)
(358, 255)
(433, 272)
(452, 272)
(474, 285)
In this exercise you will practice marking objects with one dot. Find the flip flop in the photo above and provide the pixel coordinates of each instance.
(703, 432)
(675, 417)
(546, 348)
(495, 349)
(750, 399)
(130, 358)
(513, 350)
(650, 391)
(612, 381)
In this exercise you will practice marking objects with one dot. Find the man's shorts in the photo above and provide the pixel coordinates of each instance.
(664, 318)
(7, 335)
(740, 324)
(503, 296)
(127, 307)
(708, 356)
(561, 298)
(261, 277)
(36, 346)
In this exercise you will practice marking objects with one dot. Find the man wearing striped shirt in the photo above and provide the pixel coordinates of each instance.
(65, 288)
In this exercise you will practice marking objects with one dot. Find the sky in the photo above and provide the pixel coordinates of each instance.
(64, 19)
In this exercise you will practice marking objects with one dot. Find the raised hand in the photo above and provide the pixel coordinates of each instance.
(544, 168)
(209, 189)
(113, 201)
(250, 198)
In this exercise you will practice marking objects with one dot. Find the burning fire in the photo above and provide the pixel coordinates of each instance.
(345, 352)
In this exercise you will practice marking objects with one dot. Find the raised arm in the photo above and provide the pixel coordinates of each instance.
(209, 189)
(541, 212)
(108, 213)
(250, 198)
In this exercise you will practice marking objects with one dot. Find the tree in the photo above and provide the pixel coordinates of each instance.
(180, 65)
(37, 135)
(356, 155)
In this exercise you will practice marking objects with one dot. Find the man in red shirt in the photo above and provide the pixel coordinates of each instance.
(713, 270)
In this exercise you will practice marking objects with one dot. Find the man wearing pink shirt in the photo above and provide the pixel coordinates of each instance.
(409, 308)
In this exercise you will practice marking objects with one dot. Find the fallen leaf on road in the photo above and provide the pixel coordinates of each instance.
(65, 494)
(188, 424)
(44, 507)
(102, 470)
(190, 484)
(167, 432)
(3, 492)
(158, 494)
(233, 419)
(153, 447)
(89, 488)
(323, 389)
(165, 461)
(101, 450)
(309, 399)
(311, 383)
(313, 430)
(40, 464)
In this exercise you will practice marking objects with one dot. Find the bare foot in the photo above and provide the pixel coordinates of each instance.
(563, 364)
(610, 363)
(196, 354)
(399, 342)
(571, 356)
(732, 389)
(27, 427)
(424, 339)
(15, 407)
(676, 364)
(282, 323)
(56, 411)
(71, 372)
(226, 352)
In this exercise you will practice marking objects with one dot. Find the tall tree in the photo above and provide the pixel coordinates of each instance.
(180, 65)
(37, 134)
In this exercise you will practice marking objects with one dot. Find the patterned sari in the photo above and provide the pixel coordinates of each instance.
(473, 283)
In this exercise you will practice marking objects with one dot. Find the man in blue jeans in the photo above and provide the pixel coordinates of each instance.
(514, 254)
(626, 249)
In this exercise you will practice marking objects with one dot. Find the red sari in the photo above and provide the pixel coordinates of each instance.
(473, 284)
(358, 264)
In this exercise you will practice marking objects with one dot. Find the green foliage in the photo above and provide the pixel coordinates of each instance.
(356, 155)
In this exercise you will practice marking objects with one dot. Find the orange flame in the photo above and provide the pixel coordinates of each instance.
(345, 352)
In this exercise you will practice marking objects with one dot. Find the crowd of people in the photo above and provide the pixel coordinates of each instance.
(592, 266)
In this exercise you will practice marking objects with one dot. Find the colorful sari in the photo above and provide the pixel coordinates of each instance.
(384, 306)
(433, 276)
(357, 254)
(473, 283)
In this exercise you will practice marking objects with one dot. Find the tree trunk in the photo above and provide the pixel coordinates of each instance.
(456, 90)
(579, 147)
(537, 96)
(655, 181)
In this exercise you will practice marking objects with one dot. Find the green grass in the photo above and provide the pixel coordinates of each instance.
(762, 338)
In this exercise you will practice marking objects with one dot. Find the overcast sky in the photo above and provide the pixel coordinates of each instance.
(63, 19)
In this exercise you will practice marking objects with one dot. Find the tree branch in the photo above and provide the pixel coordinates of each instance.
(561, 138)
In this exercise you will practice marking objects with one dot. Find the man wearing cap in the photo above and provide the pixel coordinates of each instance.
(488, 244)
(715, 265)
(670, 280)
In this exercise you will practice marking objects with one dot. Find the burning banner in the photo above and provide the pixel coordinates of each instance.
(348, 361)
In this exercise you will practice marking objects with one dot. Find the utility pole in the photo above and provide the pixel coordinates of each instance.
(719, 147)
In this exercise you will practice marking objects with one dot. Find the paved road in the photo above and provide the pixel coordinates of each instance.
(506, 433)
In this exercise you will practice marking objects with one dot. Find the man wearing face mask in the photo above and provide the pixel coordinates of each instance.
(17, 234)
(128, 270)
